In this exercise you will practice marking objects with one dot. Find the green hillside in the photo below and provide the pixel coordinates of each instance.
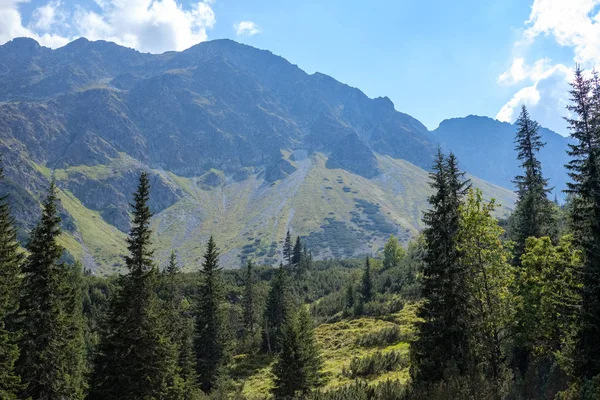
(340, 214)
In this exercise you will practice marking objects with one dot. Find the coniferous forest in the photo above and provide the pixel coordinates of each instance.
(476, 307)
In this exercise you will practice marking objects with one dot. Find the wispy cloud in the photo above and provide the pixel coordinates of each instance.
(570, 23)
(246, 28)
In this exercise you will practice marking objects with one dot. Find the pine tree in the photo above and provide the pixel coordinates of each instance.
(443, 337)
(210, 321)
(51, 343)
(278, 308)
(248, 302)
(585, 212)
(534, 211)
(11, 261)
(181, 328)
(306, 259)
(349, 299)
(135, 357)
(297, 367)
(366, 289)
(288, 252)
(297, 253)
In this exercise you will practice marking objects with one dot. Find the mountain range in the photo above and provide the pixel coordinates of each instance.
(239, 143)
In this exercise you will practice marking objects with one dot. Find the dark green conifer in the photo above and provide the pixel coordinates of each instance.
(443, 337)
(297, 253)
(288, 251)
(136, 358)
(248, 302)
(180, 324)
(366, 288)
(585, 212)
(297, 367)
(278, 308)
(210, 321)
(11, 261)
(534, 211)
(51, 361)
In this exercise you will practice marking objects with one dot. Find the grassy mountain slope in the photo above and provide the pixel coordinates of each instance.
(340, 214)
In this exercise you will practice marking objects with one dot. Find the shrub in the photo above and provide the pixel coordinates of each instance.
(388, 335)
(375, 364)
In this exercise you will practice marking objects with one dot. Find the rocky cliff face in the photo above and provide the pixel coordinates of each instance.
(220, 122)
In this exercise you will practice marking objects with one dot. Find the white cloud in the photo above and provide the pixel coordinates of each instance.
(47, 16)
(246, 28)
(152, 26)
(570, 23)
(11, 26)
(529, 96)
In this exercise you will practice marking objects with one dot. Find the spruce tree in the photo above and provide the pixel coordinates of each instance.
(288, 251)
(533, 211)
(297, 253)
(135, 357)
(297, 367)
(181, 328)
(366, 288)
(51, 361)
(585, 212)
(278, 309)
(248, 302)
(11, 261)
(210, 321)
(443, 337)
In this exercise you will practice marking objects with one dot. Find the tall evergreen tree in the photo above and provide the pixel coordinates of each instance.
(210, 320)
(11, 261)
(297, 253)
(136, 358)
(181, 328)
(288, 251)
(249, 302)
(443, 338)
(278, 309)
(366, 288)
(51, 342)
(297, 367)
(585, 212)
(534, 211)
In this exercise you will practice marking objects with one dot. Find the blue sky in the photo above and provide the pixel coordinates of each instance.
(434, 60)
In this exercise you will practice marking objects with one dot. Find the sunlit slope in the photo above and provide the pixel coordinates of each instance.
(338, 213)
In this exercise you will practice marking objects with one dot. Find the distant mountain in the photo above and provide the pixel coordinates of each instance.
(485, 147)
(239, 143)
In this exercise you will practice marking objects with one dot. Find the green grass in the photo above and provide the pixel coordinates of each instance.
(93, 238)
(338, 343)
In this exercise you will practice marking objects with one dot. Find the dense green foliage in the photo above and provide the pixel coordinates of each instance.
(51, 362)
(11, 260)
(135, 357)
(297, 367)
(210, 321)
(533, 216)
(443, 339)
